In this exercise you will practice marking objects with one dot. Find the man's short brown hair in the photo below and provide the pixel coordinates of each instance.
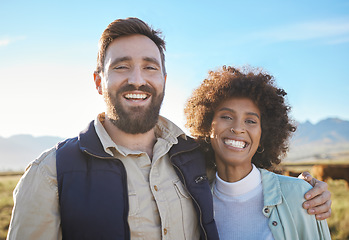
(126, 27)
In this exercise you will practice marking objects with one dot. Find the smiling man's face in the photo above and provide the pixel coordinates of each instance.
(132, 83)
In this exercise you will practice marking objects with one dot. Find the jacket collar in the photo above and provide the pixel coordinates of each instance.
(184, 145)
(89, 142)
(271, 188)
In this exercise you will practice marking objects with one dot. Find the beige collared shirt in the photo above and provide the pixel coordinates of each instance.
(160, 207)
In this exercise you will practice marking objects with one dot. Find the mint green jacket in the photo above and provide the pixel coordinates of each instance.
(283, 199)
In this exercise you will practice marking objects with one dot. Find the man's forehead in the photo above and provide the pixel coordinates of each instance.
(133, 45)
(134, 48)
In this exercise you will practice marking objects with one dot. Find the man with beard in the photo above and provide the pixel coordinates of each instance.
(131, 173)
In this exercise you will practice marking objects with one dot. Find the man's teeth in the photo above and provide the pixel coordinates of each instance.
(233, 143)
(136, 96)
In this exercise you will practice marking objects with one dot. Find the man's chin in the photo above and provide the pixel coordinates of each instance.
(136, 119)
(135, 123)
(135, 128)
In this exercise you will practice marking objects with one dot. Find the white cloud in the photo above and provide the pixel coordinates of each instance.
(333, 31)
(4, 41)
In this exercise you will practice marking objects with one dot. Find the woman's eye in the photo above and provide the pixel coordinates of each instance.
(251, 121)
(226, 117)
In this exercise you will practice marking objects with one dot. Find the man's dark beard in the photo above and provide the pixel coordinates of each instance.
(136, 119)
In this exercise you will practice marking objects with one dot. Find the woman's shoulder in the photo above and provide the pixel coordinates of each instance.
(289, 185)
(293, 182)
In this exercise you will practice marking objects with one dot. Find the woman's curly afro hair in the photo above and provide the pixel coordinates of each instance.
(251, 83)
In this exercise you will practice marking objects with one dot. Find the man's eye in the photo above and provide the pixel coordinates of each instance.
(151, 68)
(120, 67)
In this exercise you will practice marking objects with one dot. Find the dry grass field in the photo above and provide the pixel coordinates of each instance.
(338, 222)
(7, 184)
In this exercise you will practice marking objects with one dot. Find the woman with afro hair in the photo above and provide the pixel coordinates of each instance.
(241, 120)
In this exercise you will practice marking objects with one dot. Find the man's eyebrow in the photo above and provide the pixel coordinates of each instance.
(152, 60)
(119, 60)
(127, 58)
(233, 111)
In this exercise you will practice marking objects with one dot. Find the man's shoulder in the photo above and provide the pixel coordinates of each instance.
(69, 142)
(47, 159)
(166, 128)
(185, 139)
(185, 144)
(43, 167)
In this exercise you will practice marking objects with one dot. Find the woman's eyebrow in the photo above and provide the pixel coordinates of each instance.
(233, 111)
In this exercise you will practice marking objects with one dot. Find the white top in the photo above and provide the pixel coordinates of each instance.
(238, 208)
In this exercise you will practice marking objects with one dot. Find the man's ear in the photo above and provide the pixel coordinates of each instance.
(98, 82)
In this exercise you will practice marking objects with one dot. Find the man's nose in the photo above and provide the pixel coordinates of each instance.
(136, 78)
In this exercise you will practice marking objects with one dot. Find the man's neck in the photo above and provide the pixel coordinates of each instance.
(140, 142)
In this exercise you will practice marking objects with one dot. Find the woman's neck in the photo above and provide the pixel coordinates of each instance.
(230, 173)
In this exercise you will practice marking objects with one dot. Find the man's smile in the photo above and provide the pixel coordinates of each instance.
(136, 96)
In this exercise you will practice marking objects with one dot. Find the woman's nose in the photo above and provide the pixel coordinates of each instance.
(237, 128)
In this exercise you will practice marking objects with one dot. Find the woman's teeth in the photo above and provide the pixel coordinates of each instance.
(234, 143)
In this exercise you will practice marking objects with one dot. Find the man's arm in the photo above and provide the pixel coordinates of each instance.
(318, 198)
(35, 213)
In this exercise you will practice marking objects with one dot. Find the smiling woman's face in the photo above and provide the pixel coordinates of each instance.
(235, 133)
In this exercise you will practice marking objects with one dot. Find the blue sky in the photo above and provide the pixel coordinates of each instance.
(48, 53)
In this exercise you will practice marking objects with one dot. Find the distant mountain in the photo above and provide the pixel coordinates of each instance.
(331, 130)
(327, 139)
(322, 140)
(18, 151)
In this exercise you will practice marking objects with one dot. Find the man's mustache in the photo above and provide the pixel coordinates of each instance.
(143, 88)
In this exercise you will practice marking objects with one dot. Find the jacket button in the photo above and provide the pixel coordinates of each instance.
(155, 188)
(274, 223)
(266, 210)
(165, 231)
